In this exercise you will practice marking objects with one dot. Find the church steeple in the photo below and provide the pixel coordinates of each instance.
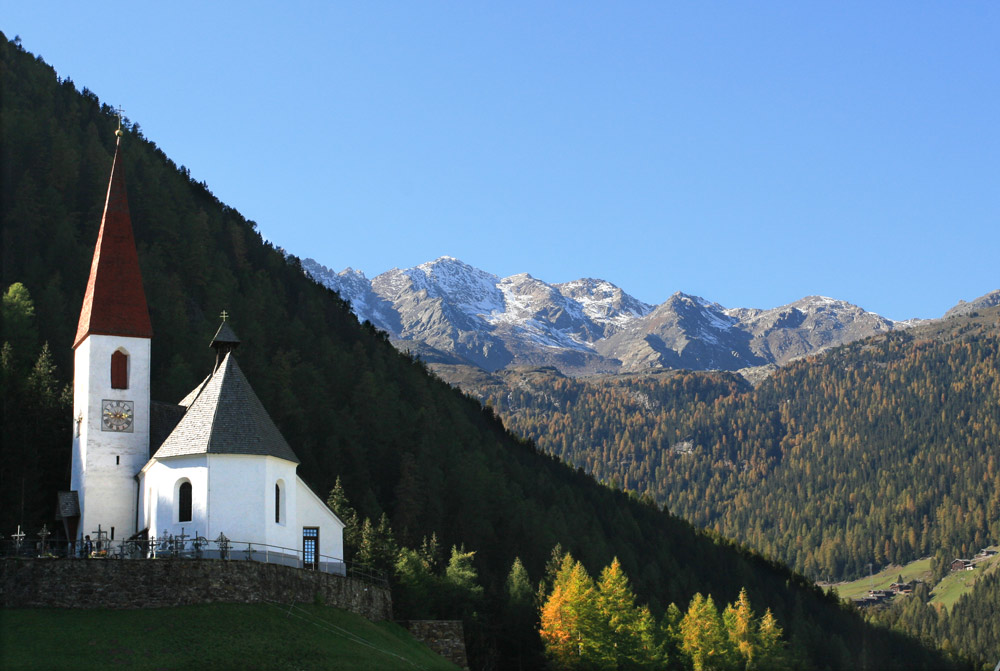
(225, 341)
(111, 363)
(115, 303)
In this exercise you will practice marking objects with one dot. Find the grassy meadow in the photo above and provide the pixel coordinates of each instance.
(946, 592)
(214, 636)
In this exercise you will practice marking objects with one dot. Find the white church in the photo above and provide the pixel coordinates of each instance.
(213, 464)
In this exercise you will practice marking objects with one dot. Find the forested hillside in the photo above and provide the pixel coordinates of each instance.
(877, 452)
(971, 626)
(403, 442)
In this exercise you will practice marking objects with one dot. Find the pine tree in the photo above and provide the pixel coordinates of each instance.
(626, 637)
(769, 640)
(377, 548)
(738, 619)
(461, 572)
(519, 620)
(338, 502)
(419, 587)
(17, 322)
(518, 585)
(430, 551)
(552, 566)
(703, 636)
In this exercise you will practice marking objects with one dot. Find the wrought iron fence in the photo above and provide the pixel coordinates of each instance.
(184, 547)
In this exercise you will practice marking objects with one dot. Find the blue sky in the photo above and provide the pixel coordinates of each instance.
(749, 153)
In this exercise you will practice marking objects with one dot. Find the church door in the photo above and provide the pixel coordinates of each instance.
(310, 547)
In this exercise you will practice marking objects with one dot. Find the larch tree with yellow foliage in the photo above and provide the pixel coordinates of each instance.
(569, 618)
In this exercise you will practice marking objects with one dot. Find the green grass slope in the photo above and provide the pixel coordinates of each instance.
(957, 584)
(217, 636)
(919, 569)
(959, 611)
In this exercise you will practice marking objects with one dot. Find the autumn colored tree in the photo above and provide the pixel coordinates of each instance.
(569, 618)
(704, 638)
(738, 619)
(757, 642)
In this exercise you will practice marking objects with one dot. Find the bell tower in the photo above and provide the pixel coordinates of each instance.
(111, 406)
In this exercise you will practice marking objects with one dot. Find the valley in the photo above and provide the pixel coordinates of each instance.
(875, 452)
(869, 443)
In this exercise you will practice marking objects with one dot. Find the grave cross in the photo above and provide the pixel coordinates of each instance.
(198, 543)
(102, 538)
(179, 541)
(44, 535)
(223, 544)
(166, 542)
(18, 538)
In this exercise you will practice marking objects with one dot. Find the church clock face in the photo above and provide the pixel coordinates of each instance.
(116, 415)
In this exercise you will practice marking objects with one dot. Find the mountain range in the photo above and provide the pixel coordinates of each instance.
(449, 312)
(402, 443)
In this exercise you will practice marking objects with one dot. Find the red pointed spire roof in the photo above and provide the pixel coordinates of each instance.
(115, 303)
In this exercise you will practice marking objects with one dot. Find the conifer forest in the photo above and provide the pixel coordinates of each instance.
(720, 503)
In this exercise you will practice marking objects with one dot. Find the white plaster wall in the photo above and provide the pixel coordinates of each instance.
(287, 532)
(241, 497)
(105, 462)
(234, 494)
(313, 512)
(159, 506)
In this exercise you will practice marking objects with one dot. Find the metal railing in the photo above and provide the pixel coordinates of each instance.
(184, 547)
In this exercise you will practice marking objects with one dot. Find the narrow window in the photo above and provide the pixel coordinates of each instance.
(119, 370)
(112, 533)
(277, 503)
(310, 547)
(184, 502)
(118, 460)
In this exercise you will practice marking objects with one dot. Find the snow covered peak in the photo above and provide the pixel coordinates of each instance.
(603, 302)
(354, 287)
(469, 289)
(453, 309)
(351, 272)
(528, 298)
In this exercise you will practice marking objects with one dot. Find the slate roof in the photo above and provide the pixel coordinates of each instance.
(114, 302)
(69, 504)
(193, 394)
(163, 419)
(226, 417)
(225, 336)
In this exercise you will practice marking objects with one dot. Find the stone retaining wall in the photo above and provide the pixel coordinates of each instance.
(155, 583)
(445, 637)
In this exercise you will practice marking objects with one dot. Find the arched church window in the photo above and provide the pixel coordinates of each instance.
(119, 370)
(277, 502)
(184, 502)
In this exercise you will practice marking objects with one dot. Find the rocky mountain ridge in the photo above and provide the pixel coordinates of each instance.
(447, 311)
(964, 308)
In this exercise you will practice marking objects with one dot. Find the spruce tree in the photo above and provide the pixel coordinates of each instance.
(338, 502)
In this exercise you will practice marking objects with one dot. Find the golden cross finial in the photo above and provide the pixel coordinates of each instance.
(120, 112)
(224, 315)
